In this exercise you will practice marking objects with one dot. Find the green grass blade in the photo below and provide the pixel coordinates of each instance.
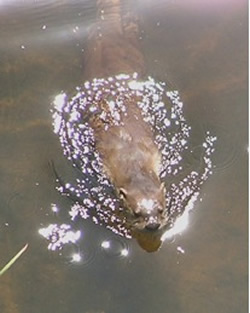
(13, 260)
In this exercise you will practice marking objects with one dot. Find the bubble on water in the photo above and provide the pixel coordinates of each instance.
(105, 244)
(76, 258)
(115, 247)
(162, 109)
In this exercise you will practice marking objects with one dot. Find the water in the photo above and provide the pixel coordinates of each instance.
(93, 193)
(201, 49)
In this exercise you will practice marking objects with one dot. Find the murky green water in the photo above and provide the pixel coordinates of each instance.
(199, 47)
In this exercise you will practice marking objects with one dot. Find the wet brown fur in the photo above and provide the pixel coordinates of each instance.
(130, 156)
(132, 161)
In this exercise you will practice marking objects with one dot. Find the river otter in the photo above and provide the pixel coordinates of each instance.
(126, 134)
(130, 156)
(132, 161)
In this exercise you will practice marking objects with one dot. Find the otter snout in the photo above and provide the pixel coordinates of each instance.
(149, 214)
(152, 226)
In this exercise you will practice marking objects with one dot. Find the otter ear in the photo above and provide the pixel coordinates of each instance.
(123, 193)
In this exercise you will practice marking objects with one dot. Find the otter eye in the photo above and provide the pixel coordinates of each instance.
(160, 210)
(123, 193)
(137, 214)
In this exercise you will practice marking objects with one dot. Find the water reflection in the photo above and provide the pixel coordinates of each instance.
(114, 247)
(93, 192)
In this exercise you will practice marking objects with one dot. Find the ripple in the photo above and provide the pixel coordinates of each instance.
(227, 147)
(228, 151)
(162, 110)
(84, 256)
(115, 247)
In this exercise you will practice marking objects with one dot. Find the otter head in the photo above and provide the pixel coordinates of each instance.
(145, 200)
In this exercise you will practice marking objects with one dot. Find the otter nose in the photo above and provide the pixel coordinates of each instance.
(152, 226)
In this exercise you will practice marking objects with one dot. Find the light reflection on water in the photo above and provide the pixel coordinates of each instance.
(93, 193)
(205, 57)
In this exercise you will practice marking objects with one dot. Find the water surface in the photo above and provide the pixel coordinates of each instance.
(201, 48)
